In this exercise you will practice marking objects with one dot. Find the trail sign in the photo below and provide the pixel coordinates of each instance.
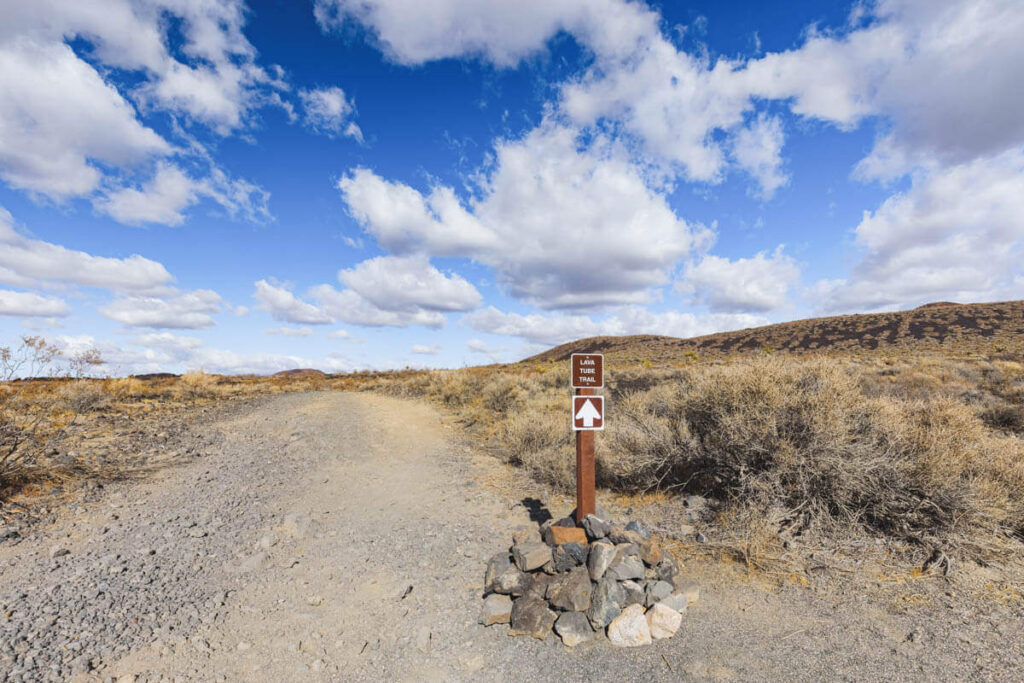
(587, 413)
(587, 370)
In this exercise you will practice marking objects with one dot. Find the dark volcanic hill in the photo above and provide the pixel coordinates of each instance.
(990, 327)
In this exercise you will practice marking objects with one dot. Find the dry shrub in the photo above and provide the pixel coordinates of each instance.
(502, 394)
(542, 443)
(193, 386)
(800, 435)
(125, 388)
(82, 396)
(456, 388)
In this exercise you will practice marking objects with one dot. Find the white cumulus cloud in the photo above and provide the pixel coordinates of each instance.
(29, 304)
(757, 284)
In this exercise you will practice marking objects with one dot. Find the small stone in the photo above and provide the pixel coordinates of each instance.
(663, 621)
(530, 556)
(497, 609)
(573, 595)
(630, 628)
(657, 591)
(676, 601)
(561, 560)
(540, 584)
(601, 555)
(423, 639)
(579, 551)
(196, 532)
(496, 566)
(650, 553)
(243, 646)
(605, 603)
(595, 527)
(635, 594)
(57, 551)
(531, 617)
(573, 628)
(667, 569)
(691, 589)
(566, 522)
(315, 600)
(639, 528)
(619, 534)
(700, 538)
(126, 678)
(625, 566)
(513, 581)
(558, 535)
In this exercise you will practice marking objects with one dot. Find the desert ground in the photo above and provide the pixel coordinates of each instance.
(855, 515)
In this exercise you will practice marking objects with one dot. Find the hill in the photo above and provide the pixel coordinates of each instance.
(989, 327)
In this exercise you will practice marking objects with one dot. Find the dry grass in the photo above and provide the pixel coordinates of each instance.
(923, 450)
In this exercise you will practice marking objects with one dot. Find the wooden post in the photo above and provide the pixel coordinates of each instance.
(585, 475)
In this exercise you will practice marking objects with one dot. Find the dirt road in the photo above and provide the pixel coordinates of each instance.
(344, 537)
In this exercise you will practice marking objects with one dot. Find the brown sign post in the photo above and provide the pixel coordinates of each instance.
(587, 372)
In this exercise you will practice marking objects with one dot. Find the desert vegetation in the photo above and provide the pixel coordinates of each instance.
(923, 453)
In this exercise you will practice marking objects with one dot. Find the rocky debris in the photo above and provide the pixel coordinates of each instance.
(580, 588)
(640, 529)
(657, 591)
(573, 594)
(531, 617)
(630, 628)
(650, 553)
(595, 527)
(676, 601)
(558, 535)
(57, 551)
(512, 581)
(663, 621)
(606, 603)
(530, 556)
(573, 628)
(619, 534)
(497, 609)
(624, 565)
(496, 566)
(635, 594)
(601, 555)
(567, 556)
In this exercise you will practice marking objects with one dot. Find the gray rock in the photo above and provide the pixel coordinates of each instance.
(663, 621)
(531, 617)
(497, 609)
(567, 556)
(57, 551)
(630, 628)
(625, 566)
(573, 594)
(700, 538)
(676, 601)
(639, 528)
(605, 603)
(601, 555)
(666, 570)
(573, 628)
(635, 594)
(530, 556)
(540, 584)
(596, 527)
(650, 553)
(512, 581)
(657, 591)
(569, 522)
(619, 534)
(496, 566)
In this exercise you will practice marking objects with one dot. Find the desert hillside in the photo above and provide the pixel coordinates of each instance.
(988, 327)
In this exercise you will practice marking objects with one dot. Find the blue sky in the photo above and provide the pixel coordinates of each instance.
(248, 187)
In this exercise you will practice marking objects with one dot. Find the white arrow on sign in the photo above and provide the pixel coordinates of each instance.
(588, 413)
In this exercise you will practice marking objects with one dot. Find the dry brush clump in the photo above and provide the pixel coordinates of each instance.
(801, 437)
(921, 449)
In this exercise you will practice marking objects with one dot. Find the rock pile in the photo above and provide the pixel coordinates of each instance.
(583, 582)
